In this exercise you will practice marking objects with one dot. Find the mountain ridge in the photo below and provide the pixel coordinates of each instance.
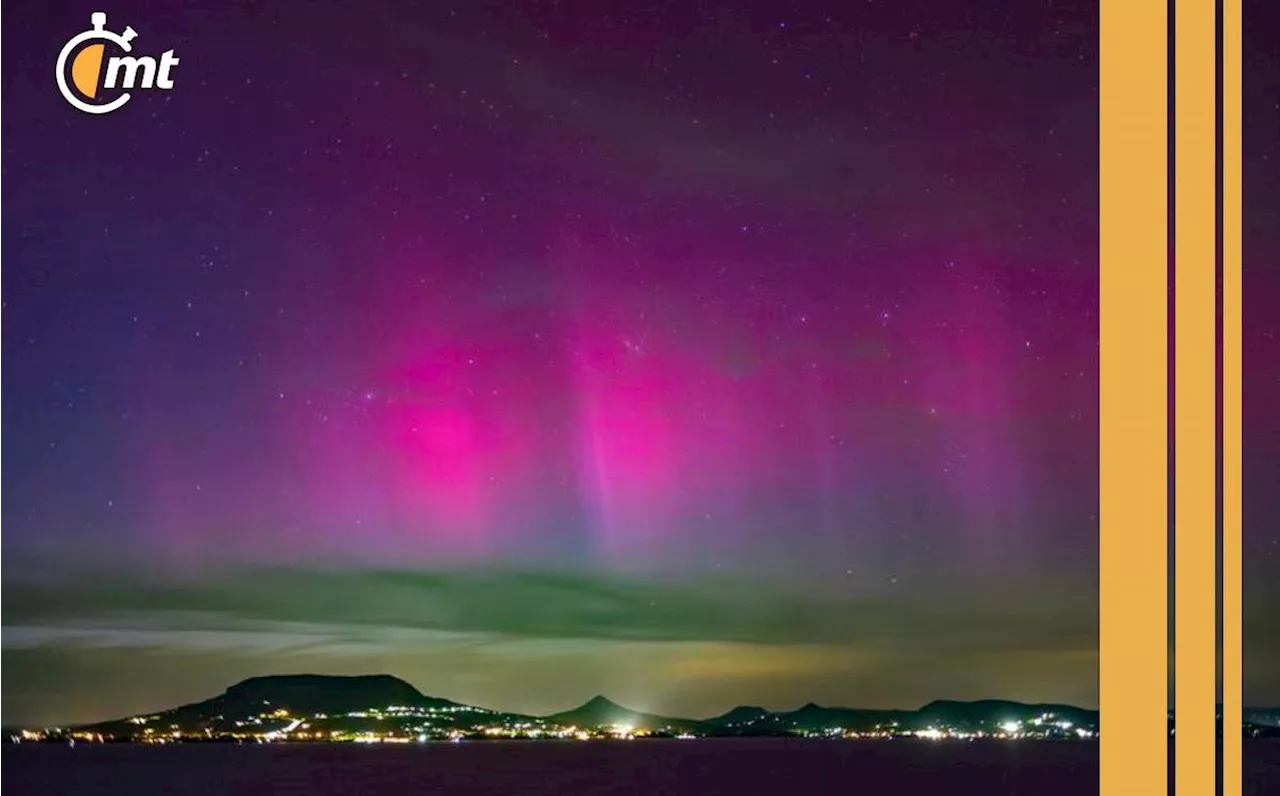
(319, 707)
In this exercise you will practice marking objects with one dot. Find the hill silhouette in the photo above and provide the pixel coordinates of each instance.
(349, 705)
(599, 711)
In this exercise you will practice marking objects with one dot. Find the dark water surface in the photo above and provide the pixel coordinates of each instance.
(739, 767)
(705, 768)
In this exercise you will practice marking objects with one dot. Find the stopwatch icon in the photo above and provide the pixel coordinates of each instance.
(87, 65)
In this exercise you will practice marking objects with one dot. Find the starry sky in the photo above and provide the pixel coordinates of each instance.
(696, 354)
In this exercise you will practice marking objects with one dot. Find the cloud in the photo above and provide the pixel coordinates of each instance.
(372, 606)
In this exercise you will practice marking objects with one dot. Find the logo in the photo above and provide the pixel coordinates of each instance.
(91, 85)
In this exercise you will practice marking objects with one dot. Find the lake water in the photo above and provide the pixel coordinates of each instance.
(653, 768)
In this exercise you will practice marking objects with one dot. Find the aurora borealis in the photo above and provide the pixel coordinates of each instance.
(689, 354)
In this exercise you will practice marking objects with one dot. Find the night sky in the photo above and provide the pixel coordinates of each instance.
(694, 354)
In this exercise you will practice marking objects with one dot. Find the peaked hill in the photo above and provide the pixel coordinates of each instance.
(602, 712)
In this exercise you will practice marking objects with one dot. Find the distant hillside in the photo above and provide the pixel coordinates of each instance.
(326, 693)
(994, 712)
(601, 712)
(323, 707)
(1263, 717)
(980, 716)
(818, 718)
(743, 720)
(272, 702)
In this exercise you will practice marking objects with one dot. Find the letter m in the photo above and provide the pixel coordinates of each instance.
(131, 65)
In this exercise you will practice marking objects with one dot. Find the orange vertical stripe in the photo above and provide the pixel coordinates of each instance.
(1195, 398)
(1232, 400)
(1133, 467)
